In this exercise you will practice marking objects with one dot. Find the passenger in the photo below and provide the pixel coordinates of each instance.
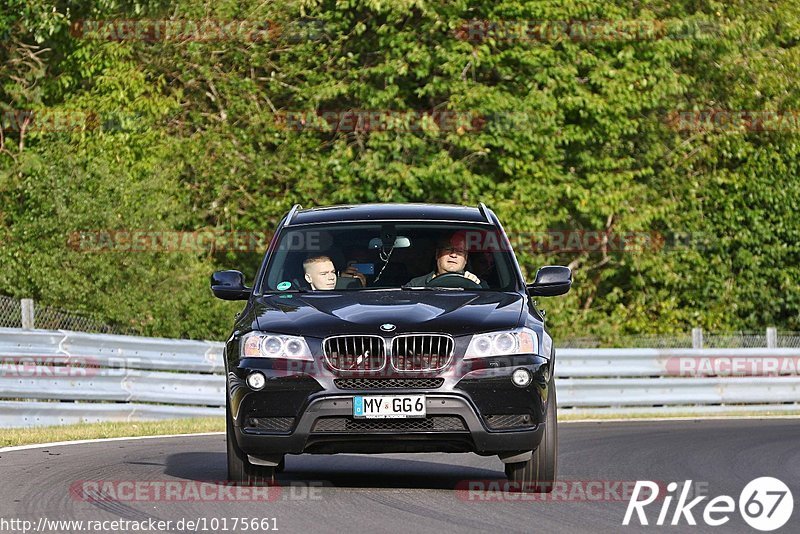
(356, 255)
(352, 272)
(482, 263)
(451, 257)
(320, 273)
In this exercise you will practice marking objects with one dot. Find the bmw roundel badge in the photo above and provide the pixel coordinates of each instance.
(388, 327)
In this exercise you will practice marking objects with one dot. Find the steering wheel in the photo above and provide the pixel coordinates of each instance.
(453, 280)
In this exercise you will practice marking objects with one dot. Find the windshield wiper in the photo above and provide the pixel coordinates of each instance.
(426, 288)
(377, 289)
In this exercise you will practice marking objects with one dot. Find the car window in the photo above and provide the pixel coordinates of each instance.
(390, 255)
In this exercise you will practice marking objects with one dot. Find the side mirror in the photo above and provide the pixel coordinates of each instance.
(551, 280)
(229, 285)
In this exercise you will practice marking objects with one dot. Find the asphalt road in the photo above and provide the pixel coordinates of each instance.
(402, 493)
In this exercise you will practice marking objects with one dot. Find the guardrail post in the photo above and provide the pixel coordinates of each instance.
(772, 337)
(27, 313)
(697, 338)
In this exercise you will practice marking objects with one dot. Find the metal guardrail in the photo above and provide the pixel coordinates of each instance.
(110, 350)
(678, 391)
(583, 363)
(52, 377)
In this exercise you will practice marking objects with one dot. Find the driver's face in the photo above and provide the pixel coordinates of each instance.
(451, 259)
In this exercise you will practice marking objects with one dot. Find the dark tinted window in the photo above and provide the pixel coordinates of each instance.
(388, 255)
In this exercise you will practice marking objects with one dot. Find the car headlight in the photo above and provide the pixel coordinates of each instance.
(520, 341)
(265, 345)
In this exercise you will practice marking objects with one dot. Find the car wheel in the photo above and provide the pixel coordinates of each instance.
(538, 474)
(281, 466)
(239, 467)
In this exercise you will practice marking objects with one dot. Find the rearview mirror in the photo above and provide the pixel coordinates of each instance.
(399, 242)
(551, 280)
(229, 285)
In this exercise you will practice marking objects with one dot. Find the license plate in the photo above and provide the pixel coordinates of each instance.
(389, 406)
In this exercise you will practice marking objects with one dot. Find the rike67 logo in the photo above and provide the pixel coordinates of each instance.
(765, 504)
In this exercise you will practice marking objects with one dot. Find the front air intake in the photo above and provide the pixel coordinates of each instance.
(355, 353)
(422, 352)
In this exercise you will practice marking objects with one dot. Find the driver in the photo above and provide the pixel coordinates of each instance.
(451, 257)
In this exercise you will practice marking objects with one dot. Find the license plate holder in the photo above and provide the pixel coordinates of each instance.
(389, 406)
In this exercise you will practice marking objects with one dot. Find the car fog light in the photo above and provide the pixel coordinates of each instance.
(256, 380)
(521, 378)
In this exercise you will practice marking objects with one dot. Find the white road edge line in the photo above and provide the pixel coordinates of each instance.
(101, 440)
(663, 419)
(566, 422)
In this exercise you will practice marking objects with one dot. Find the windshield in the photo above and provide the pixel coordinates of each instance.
(390, 255)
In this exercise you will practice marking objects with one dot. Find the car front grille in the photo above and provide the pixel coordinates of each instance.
(502, 422)
(270, 424)
(355, 353)
(388, 383)
(347, 425)
(422, 352)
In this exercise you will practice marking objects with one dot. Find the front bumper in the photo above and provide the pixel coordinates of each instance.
(477, 410)
(307, 436)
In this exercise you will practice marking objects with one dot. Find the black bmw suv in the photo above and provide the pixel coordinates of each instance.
(391, 328)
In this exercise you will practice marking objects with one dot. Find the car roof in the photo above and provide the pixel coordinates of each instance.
(389, 212)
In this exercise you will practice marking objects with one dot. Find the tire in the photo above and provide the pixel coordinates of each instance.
(240, 469)
(281, 466)
(538, 475)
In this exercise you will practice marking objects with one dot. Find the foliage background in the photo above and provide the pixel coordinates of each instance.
(197, 147)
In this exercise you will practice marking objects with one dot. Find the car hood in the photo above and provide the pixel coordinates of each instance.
(323, 314)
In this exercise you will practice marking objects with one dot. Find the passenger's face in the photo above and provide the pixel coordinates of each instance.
(321, 275)
(451, 258)
(482, 264)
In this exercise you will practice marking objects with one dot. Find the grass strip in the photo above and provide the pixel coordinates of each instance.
(45, 434)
